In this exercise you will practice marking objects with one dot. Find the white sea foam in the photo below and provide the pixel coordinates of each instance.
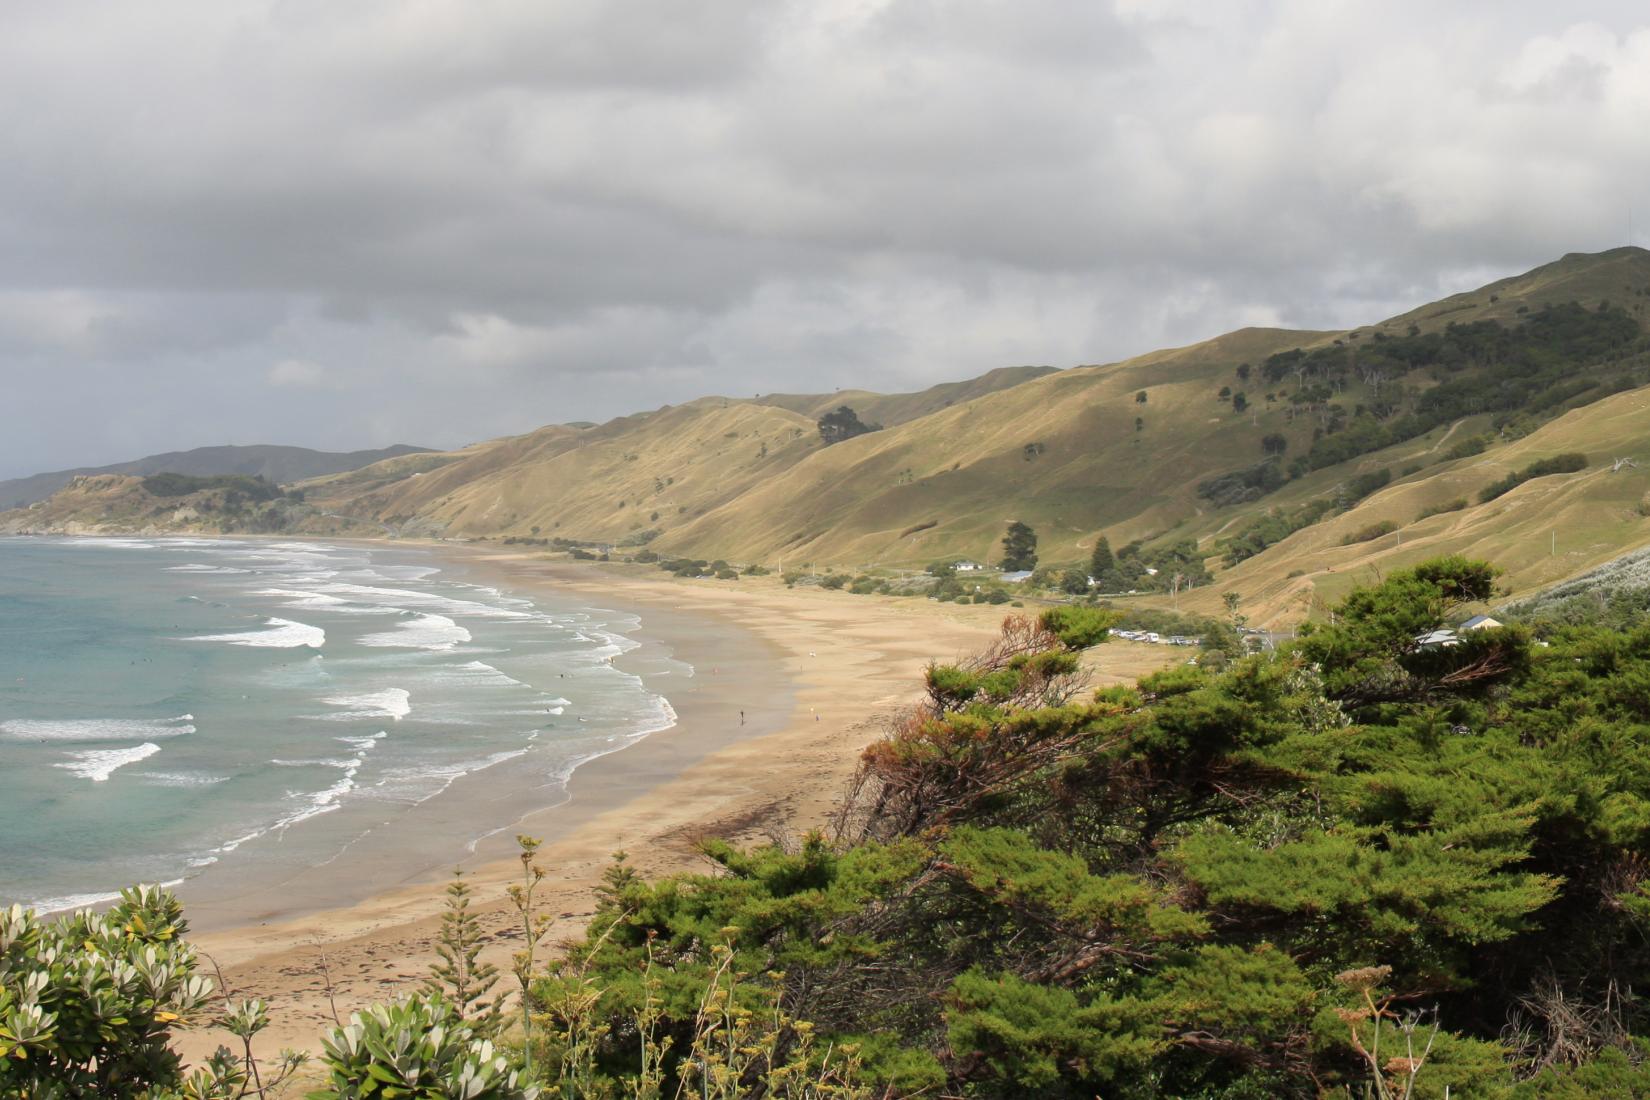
(425, 782)
(96, 729)
(182, 779)
(103, 543)
(606, 646)
(312, 803)
(70, 902)
(277, 634)
(481, 670)
(198, 568)
(392, 703)
(298, 599)
(99, 764)
(424, 601)
(398, 572)
(421, 631)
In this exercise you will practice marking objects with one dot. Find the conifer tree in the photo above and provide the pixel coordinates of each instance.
(1019, 547)
(1103, 561)
(461, 977)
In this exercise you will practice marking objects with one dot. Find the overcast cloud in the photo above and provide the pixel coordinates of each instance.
(434, 221)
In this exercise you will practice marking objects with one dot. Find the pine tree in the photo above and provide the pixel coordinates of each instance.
(461, 977)
(1019, 547)
(1102, 562)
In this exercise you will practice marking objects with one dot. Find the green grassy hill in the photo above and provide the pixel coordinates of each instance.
(1232, 440)
(1541, 532)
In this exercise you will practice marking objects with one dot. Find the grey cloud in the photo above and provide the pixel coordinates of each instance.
(349, 225)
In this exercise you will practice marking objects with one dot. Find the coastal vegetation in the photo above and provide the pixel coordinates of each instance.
(243, 487)
(843, 423)
(1360, 864)
(1559, 464)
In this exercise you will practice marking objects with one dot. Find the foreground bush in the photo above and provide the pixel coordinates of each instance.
(88, 1003)
(419, 1048)
(1355, 867)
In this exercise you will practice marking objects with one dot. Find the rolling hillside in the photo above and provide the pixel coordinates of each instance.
(1207, 443)
(1541, 532)
(274, 463)
(889, 409)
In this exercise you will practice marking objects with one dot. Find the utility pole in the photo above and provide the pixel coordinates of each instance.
(1553, 550)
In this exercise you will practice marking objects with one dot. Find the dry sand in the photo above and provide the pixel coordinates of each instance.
(817, 674)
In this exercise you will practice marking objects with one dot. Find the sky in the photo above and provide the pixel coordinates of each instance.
(346, 225)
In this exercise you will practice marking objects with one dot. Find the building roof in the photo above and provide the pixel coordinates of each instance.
(1480, 622)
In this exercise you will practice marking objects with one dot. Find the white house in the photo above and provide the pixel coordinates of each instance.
(966, 566)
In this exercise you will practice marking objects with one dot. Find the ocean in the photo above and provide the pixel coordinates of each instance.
(174, 705)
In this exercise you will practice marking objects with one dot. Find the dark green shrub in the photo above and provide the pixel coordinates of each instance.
(1370, 533)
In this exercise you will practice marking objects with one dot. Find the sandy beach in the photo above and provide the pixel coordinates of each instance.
(790, 685)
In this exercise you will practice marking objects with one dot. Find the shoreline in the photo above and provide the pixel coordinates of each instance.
(698, 724)
(815, 673)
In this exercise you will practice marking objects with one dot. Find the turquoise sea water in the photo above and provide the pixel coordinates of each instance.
(173, 705)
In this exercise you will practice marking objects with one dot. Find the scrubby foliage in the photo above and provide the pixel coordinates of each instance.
(1567, 463)
(1552, 359)
(1370, 533)
(1360, 865)
(1173, 566)
(843, 423)
(246, 487)
(1215, 885)
(1247, 484)
(1616, 596)
(88, 1003)
(1456, 505)
(421, 1048)
(1277, 524)
(1555, 356)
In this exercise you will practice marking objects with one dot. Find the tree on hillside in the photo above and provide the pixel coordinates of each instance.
(1019, 547)
(1274, 444)
(1102, 561)
(843, 423)
(1140, 398)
